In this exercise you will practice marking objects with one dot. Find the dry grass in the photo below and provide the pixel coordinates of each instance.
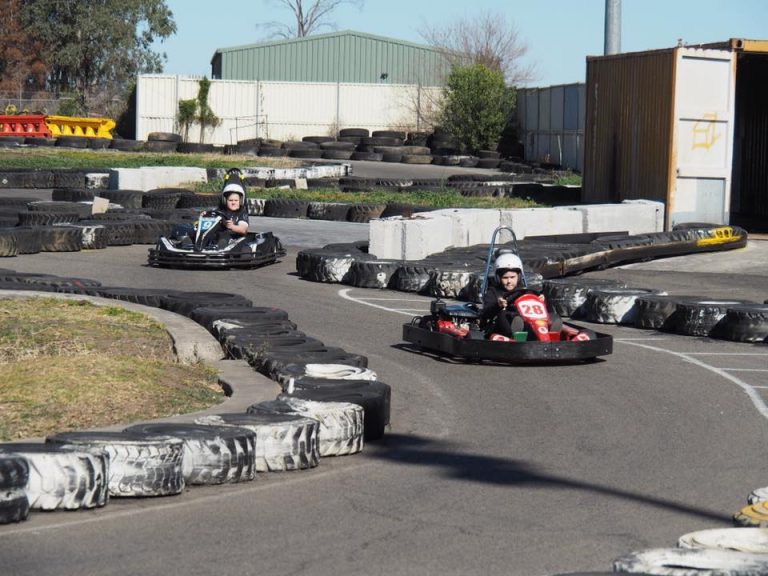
(68, 365)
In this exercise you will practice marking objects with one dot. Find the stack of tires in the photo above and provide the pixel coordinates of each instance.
(67, 224)
(331, 404)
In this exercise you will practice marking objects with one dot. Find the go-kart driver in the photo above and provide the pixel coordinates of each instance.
(232, 204)
(498, 314)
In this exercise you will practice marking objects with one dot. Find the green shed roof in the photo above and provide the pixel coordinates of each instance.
(345, 56)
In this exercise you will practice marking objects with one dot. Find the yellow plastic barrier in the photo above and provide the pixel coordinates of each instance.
(88, 127)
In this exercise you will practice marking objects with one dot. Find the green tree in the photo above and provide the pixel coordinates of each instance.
(90, 43)
(205, 116)
(186, 116)
(476, 106)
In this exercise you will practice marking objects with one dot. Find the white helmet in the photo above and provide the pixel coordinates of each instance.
(507, 261)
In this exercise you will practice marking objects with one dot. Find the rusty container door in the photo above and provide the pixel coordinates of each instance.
(700, 179)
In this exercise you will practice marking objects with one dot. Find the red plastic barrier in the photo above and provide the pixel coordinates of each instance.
(28, 125)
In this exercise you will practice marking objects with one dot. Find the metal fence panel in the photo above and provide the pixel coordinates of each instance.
(282, 110)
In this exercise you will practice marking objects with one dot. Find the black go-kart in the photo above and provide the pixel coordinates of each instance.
(456, 330)
(209, 248)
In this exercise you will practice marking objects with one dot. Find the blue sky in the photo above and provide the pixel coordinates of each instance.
(560, 34)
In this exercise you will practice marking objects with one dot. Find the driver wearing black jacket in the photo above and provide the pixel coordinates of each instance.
(232, 204)
(498, 313)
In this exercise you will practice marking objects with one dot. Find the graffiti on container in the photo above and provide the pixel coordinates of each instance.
(704, 135)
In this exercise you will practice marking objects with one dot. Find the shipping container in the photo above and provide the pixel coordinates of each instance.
(687, 126)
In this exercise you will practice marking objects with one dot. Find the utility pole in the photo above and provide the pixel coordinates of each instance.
(612, 27)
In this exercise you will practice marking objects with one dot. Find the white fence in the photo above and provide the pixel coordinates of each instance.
(283, 110)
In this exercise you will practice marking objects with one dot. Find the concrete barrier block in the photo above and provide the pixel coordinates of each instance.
(409, 239)
(470, 226)
(152, 177)
(633, 216)
(539, 222)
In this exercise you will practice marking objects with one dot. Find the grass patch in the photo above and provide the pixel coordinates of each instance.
(438, 198)
(69, 365)
(52, 157)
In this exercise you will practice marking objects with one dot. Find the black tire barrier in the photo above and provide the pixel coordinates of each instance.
(59, 239)
(184, 303)
(207, 316)
(8, 246)
(355, 132)
(212, 454)
(81, 209)
(19, 202)
(318, 139)
(321, 265)
(566, 296)
(139, 466)
(338, 145)
(245, 344)
(270, 152)
(333, 211)
(125, 198)
(118, 232)
(703, 317)
(163, 137)
(72, 141)
(95, 143)
(92, 236)
(161, 199)
(409, 278)
(371, 273)
(416, 159)
(28, 239)
(340, 430)
(34, 141)
(127, 145)
(746, 323)
(14, 475)
(194, 148)
(63, 478)
(657, 312)
(271, 363)
(40, 218)
(194, 200)
(322, 371)
(283, 441)
(286, 208)
(373, 396)
(613, 305)
(312, 153)
(367, 156)
(365, 212)
(145, 296)
(337, 154)
(148, 231)
(72, 195)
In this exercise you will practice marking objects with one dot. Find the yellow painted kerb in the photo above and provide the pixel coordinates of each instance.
(722, 235)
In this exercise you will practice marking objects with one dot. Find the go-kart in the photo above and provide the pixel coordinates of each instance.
(207, 246)
(457, 330)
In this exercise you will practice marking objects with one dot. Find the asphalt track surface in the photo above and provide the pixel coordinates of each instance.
(487, 469)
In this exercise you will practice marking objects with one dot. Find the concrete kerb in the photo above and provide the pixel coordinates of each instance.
(192, 343)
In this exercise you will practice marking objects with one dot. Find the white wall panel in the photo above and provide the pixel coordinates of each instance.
(281, 110)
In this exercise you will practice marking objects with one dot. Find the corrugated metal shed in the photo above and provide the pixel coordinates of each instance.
(551, 124)
(348, 56)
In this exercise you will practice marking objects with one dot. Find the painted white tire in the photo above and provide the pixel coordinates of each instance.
(62, 478)
(752, 540)
(341, 423)
(759, 495)
(685, 562)
(138, 466)
(14, 475)
(338, 372)
(283, 441)
(613, 305)
(212, 454)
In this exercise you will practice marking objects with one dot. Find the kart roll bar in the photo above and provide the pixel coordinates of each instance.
(484, 284)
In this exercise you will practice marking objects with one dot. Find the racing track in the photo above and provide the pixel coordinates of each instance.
(487, 469)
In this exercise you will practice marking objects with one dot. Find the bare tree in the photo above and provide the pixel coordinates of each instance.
(489, 39)
(309, 16)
